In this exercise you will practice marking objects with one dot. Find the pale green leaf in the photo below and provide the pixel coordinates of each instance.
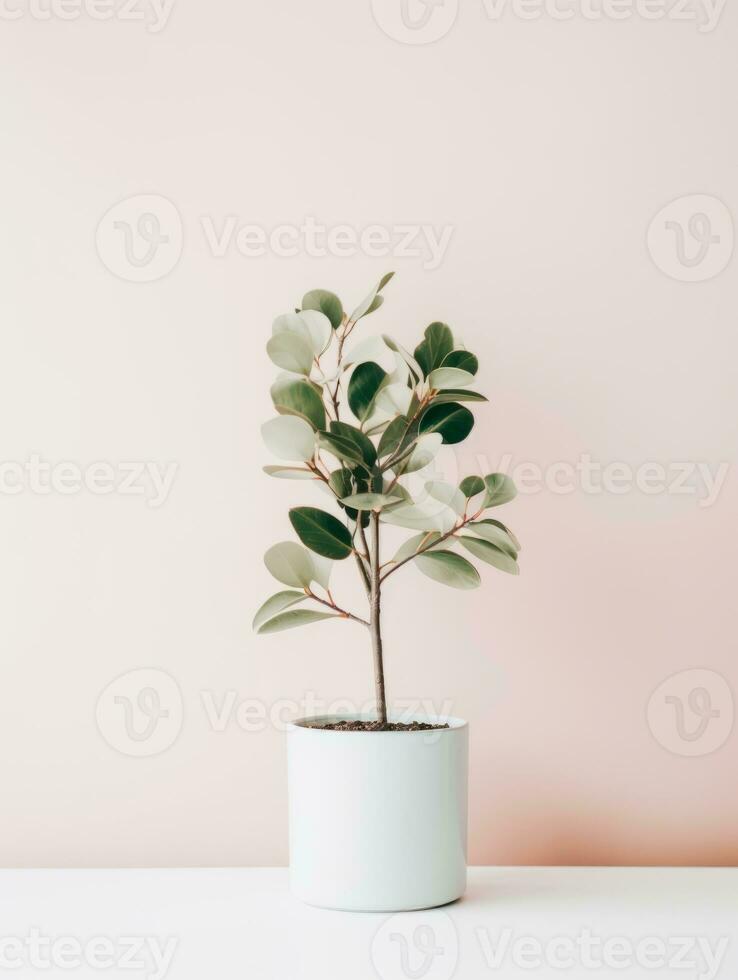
(289, 437)
(448, 495)
(293, 618)
(290, 473)
(369, 501)
(449, 568)
(492, 555)
(275, 604)
(500, 489)
(449, 377)
(290, 351)
(290, 564)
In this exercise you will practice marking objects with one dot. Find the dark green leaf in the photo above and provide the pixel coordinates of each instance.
(328, 303)
(365, 382)
(362, 442)
(462, 359)
(438, 343)
(454, 422)
(457, 395)
(299, 397)
(392, 435)
(470, 486)
(344, 449)
(321, 532)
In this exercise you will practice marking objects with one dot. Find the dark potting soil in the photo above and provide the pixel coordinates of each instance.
(377, 726)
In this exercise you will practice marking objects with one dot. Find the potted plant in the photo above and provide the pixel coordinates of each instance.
(378, 806)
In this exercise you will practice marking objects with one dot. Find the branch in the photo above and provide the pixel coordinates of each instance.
(332, 605)
(433, 544)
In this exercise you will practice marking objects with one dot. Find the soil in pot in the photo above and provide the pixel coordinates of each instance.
(377, 726)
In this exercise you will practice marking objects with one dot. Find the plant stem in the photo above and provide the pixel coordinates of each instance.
(331, 605)
(374, 622)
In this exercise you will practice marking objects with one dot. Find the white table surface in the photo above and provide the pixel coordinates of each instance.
(243, 923)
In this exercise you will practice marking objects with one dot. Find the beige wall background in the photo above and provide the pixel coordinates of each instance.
(140, 720)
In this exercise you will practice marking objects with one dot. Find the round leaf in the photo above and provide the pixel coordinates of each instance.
(325, 301)
(289, 437)
(500, 489)
(449, 568)
(320, 329)
(470, 486)
(297, 396)
(290, 564)
(394, 398)
(438, 343)
(462, 359)
(321, 532)
(452, 421)
(291, 352)
(425, 451)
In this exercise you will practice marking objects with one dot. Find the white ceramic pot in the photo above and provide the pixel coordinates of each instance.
(377, 819)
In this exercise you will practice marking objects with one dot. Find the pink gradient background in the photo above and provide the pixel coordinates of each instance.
(548, 147)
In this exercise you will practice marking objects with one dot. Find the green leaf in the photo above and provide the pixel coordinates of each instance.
(470, 486)
(500, 489)
(372, 301)
(452, 421)
(290, 473)
(490, 520)
(328, 303)
(290, 564)
(394, 398)
(438, 343)
(308, 325)
(275, 604)
(429, 516)
(458, 395)
(365, 382)
(362, 442)
(343, 449)
(406, 550)
(449, 377)
(497, 534)
(291, 352)
(449, 568)
(321, 532)
(415, 368)
(295, 617)
(444, 493)
(294, 396)
(369, 501)
(462, 359)
(392, 436)
(289, 437)
(492, 555)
